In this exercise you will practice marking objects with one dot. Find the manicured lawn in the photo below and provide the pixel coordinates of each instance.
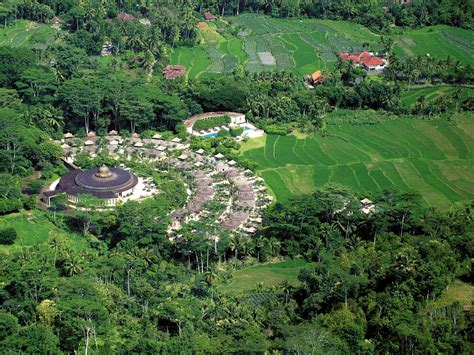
(433, 157)
(267, 274)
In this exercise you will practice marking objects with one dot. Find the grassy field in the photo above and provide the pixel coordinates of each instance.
(434, 158)
(439, 42)
(458, 291)
(25, 33)
(34, 229)
(306, 45)
(267, 275)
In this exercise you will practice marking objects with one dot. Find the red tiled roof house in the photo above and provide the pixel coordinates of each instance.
(123, 16)
(366, 59)
(174, 71)
(209, 17)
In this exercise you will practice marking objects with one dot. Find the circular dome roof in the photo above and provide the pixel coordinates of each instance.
(103, 172)
(105, 179)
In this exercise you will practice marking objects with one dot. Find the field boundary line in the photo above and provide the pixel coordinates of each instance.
(274, 148)
(376, 183)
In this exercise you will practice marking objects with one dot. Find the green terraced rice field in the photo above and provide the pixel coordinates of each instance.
(439, 42)
(307, 45)
(409, 97)
(27, 34)
(267, 274)
(435, 158)
(303, 45)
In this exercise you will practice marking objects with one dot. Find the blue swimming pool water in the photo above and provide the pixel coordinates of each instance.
(216, 133)
(210, 135)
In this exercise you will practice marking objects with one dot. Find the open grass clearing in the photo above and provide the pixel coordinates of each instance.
(266, 275)
(458, 291)
(34, 229)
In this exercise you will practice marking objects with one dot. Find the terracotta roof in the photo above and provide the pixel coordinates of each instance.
(174, 71)
(123, 16)
(208, 16)
(317, 75)
(373, 62)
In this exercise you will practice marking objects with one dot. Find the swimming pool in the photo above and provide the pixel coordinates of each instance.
(215, 134)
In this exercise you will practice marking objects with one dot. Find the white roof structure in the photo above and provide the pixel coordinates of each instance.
(69, 135)
(200, 151)
(65, 146)
(88, 142)
(176, 140)
(368, 209)
(156, 136)
(138, 144)
(91, 134)
(183, 157)
(114, 142)
(145, 21)
(219, 156)
(161, 148)
(113, 133)
(366, 201)
(232, 162)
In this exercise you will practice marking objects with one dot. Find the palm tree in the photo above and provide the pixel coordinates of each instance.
(72, 266)
(274, 245)
(260, 244)
(55, 245)
(235, 245)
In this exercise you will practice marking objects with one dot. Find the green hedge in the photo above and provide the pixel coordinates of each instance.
(7, 236)
(234, 132)
(212, 122)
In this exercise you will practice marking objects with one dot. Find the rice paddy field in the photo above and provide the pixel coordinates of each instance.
(409, 96)
(301, 45)
(27, 33)
(434, 158)
(306, 45)
(439, 42)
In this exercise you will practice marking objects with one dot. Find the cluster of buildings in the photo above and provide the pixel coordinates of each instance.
(213, 179)
(216, 179)
(364, 59)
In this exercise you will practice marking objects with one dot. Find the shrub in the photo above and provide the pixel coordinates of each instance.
(237, 131)
(281, 129)
(212, 122)
(7, 235)
(36, 185)
(223, 133)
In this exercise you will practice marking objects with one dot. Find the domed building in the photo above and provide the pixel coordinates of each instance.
(110, 184)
